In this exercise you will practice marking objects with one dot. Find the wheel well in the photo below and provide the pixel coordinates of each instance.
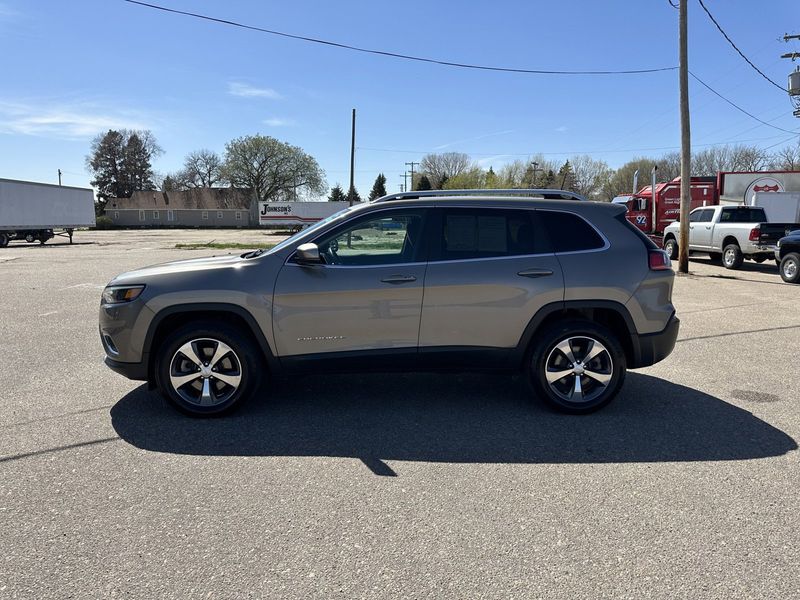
(668, 237)
(608, 317)
(729, 240)
(176, 320)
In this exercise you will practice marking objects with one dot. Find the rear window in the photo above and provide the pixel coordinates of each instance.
(648, 243)
(568, 232)
(744, 214)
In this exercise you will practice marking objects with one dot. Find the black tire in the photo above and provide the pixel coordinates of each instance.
(246, 363)
(30, 238)
(671, 248)
(790, 268)
(715, 256)
(546, 357)
(732, 256)
(3, 240)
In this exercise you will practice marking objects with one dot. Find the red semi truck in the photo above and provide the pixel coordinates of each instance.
(652, 213)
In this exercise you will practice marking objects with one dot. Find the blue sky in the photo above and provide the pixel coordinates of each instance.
(73, 69)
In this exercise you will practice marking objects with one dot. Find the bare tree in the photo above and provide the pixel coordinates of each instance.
(202, 168)
(441, 167)
(590, 175)
(786, 159)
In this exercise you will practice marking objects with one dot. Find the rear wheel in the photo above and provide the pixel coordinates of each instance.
(207, 368)
(671, 248)
(3, 240)
(790, 268)
(576, 366)
(30, 238)
(732, 256)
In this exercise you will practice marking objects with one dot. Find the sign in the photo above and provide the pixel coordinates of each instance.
(296, 213)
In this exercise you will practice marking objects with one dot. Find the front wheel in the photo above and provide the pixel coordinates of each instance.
(576, 366)
(207, 368)
(790, 268)
(732, 256)
(671, 248)
(3, 240)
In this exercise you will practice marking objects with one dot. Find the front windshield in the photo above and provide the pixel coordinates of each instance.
(303, 232)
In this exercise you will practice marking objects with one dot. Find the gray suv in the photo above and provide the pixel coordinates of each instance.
(567, 292)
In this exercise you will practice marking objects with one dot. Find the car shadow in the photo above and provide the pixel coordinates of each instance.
(471, 418)
(748, 266)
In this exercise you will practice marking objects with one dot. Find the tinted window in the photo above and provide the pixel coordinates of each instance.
(694, 216)
(486, 233)
(569, 232)
(743, 214)
(706, 216)
(382, 239)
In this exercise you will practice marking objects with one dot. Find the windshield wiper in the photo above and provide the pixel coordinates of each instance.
(254, 253)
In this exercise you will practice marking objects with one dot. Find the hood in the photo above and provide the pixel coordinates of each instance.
(179, 266)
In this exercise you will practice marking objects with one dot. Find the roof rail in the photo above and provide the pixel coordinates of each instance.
(547, 194)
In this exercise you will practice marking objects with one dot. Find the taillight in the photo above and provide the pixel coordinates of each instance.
(659, 260)
(755, 233)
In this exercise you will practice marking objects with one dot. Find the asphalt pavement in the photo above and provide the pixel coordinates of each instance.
(400, 485)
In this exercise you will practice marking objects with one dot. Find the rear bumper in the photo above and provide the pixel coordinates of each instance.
(135, 371)
(654, 347)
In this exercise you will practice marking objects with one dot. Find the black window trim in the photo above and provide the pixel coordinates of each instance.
(606, 243)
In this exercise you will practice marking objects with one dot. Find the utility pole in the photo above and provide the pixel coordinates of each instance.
(351, 194)
(686, 146)
(411, 164)
(535, 166)
(794, 78)
(405, 181)
(59, 177)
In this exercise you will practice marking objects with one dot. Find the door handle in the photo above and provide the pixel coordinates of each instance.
(709, 227)
(399, 279)
(533, 273)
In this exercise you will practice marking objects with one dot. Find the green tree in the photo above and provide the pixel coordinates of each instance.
(423, 183)
(337, 194)
(378, 188)
(353, 196)
(472, 179)
(271, 168)
(121, 163)
(491, 181)
(566, 177)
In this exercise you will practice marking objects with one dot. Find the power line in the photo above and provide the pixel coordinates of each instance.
(392, 54)
(737, 107)
(730, 41)
(571, 152)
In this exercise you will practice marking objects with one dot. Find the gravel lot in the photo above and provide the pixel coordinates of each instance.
(395, 485)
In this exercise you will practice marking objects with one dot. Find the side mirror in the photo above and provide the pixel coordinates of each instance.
(307, 254)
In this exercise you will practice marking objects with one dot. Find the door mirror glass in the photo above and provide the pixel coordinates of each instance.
(307, 254)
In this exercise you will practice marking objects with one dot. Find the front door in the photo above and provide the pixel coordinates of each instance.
(700, 229)
(365, 295)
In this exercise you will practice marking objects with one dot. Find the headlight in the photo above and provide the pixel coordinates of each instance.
(118, 294)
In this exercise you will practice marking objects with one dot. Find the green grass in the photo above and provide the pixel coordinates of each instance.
(223, 246)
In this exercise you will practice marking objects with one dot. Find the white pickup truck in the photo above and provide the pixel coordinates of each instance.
(730, 234)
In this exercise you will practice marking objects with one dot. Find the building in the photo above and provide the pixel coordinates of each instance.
(197, 207)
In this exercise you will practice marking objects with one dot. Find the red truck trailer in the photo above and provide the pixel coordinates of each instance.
(652, 213)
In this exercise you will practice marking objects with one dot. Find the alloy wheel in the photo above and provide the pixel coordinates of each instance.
(205, 372)
(790, 269)
(579, 369)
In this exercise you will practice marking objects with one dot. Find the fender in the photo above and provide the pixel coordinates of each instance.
(554, 308)
(202, 308)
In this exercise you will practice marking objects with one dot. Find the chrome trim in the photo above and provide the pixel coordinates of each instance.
(382, 266)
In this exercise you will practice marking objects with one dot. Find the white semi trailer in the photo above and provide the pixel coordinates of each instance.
(35, 212)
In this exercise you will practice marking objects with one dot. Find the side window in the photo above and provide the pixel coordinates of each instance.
(486, 233)
(568, 232)
(695, 216)
(382, 239)
(706, 216)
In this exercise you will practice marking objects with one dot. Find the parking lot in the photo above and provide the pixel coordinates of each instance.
(395, 485)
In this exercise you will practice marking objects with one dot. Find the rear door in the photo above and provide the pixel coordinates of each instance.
(489, 272)
(367, 294)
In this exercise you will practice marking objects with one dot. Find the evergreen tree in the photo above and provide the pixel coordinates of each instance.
(337, 194)
(352, 196)
(491, 179)
(378, 188)
(423, 183)
(136, 164)
(566, 177)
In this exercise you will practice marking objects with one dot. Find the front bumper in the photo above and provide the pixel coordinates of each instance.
(135, 371)
(654, 347)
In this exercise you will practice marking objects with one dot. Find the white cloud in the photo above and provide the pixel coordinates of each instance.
(278, 122)
(491, 161)
(69, 121)
(470, 139)
(561, 129)
(245, 90)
